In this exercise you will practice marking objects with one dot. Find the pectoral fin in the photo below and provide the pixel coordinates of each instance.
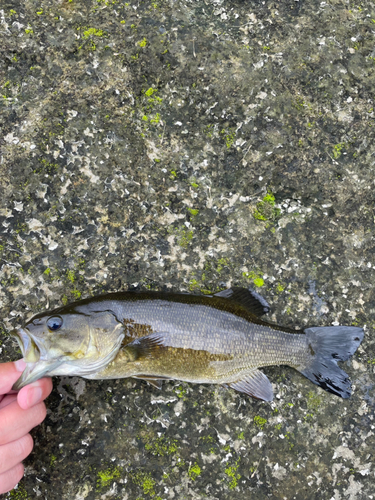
(147, 346)
(255, 384)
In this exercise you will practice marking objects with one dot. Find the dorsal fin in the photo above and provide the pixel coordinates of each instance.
(253, 302)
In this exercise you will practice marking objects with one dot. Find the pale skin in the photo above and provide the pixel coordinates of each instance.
(19, 413)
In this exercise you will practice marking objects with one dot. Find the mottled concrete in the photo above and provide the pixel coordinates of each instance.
(191, 145)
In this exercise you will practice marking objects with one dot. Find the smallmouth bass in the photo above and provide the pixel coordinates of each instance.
(156, 336)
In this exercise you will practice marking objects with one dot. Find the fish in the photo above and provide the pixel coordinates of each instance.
(160, 336)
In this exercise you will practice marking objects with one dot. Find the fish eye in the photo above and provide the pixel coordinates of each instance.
(54, 323)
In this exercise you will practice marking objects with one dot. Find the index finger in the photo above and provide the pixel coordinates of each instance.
(9, 373)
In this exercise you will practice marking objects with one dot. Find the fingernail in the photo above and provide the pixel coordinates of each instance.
(34, 396)
(20, 365)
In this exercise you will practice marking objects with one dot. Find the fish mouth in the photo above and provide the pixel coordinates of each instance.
(30, 350)
(36, 366)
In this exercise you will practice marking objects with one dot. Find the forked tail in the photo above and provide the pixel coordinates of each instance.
(327, 345)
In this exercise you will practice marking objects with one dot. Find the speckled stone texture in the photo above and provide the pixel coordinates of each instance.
(190, 146)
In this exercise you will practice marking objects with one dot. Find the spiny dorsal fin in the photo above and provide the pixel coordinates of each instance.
(253, 302)
(255, 384)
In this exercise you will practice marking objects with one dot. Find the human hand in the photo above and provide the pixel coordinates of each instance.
(19, 413)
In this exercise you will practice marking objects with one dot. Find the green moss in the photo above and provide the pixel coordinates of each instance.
(194, 471)
(193, 284)
(93, 32)
(337, 149)
(313, 401)
(145, 481)
(309, 417)
(48, 167)
(76, 294)
(260, 422)
(231, 472)
(52, 461)
(19, 494)
(162, 446)
(181, 392)
(256, 277)
(181, 463)
(64, 300)
(150, 91)
(241, 435)
(107, 476)
(193, 211)
(47, 271)
(207, 439)
(71, 276)
(143, 43)
(183, 235)
(258, 282)
(10, 281)
(229, 136)
(266, 210)
(153, 99)
(298, 103)
(221, 263)
(287, 438)
(156, 118)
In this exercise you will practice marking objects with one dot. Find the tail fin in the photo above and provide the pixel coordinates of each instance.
(328, 345)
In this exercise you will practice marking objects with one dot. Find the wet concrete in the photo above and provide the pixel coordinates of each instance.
(192, 146)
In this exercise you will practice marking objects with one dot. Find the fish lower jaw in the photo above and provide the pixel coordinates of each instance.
(33, 372)
(65, 369)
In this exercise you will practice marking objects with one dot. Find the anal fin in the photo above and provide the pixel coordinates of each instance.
(255, 384)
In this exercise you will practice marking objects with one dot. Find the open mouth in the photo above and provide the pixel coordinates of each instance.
(30, 350)
(36, 368)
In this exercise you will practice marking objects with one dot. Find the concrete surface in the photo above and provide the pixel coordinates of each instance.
(191, 145)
